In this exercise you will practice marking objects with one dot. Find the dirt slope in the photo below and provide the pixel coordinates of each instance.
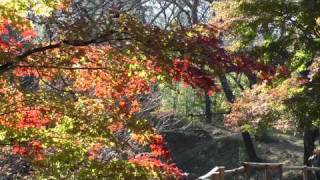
(198, 150)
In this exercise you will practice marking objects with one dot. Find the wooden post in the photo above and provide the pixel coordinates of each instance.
(247, 171)
(265, 175)
(305, 173)
(221, 173)
(280, 171)
(267, 172)
(215, 177)
(236, 174)
(271, 171)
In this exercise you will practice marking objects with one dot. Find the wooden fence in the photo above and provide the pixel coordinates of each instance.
(243, 172)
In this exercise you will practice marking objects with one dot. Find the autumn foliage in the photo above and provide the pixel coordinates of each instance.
(66, 100)
(93, 89)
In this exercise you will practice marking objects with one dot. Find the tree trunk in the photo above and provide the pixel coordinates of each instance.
(195, 20)
(226, 88)
(252, 79)
(248, 144)
(250, 150)
(208, 108)
(194, 11)
(309, 137)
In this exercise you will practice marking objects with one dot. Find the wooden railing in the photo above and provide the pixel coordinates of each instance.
(219, 173)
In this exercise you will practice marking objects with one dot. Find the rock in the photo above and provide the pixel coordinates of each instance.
(196, 152)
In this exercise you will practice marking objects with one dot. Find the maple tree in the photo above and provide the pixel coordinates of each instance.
(289, 105)
(71, 93)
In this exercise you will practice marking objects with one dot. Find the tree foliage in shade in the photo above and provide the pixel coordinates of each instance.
(263, 107)
(280, 32)
(283, 33)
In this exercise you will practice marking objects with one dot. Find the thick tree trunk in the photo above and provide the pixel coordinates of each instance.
(250, 150)
(208, 108)
(309, 137)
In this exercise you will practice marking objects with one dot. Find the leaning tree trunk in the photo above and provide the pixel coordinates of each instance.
(250, 150)
(309, 136)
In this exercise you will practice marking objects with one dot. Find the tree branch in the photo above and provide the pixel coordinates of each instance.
(101, 39)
